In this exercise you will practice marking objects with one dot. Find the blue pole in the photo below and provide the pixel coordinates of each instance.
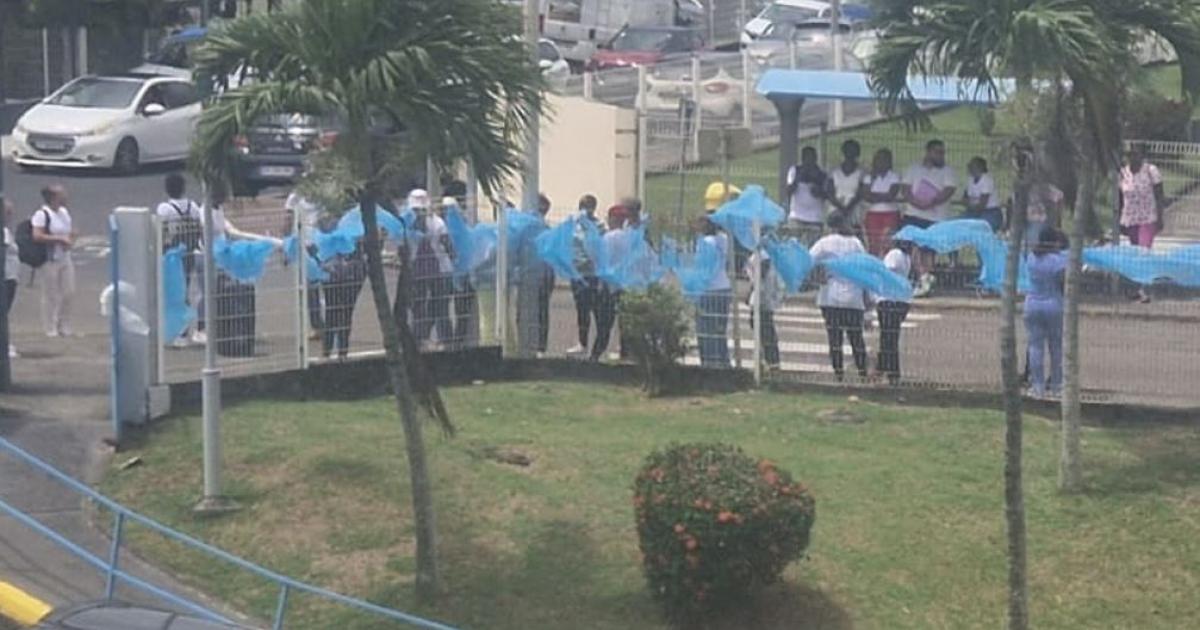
(281, 608)
(114, 556)
(114, 326)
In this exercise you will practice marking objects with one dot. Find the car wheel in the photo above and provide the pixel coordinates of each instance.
(127, 158)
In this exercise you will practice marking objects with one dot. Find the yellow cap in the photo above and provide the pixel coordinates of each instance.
(715, 195)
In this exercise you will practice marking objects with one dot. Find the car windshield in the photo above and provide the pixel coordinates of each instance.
(644, 40)
(784, 13)
(97, 93)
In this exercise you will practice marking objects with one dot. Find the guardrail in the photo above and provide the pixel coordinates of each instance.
(114, 574)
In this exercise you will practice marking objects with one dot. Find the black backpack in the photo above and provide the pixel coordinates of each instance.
(29, 251)
(185, 230)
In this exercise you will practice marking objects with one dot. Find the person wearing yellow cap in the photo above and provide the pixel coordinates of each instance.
(716, 195)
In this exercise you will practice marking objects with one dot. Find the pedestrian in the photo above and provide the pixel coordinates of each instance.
(11, 265)
(432, 271)
(929, 185)
(773, 292)
(183, 226)
(609, 297)
(346, 275)
(718, 194)
(842, 303)
(1044, 311)
(712, 309)
(586, 289)
(1142, 202)
(545, 288)
(892, 313)
(52, 226)
(234, 312)
(844, 186)
(881, 191)
(466, 298)
(980, 198)
(307, 214)
(806, 184)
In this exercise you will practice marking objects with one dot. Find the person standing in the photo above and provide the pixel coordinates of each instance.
(841, 302)
(11, 262)
(585, 290)
(183, 226)
(773, 292)
(806, 184)
(892, 314)
(881, 190)
(545, 287)
(1044, 311)
(1142, 202)
(844, 186)
(712, 310)
(981, 198)
(929, 185)
(432, 271)
(347, 273)
(52, 226)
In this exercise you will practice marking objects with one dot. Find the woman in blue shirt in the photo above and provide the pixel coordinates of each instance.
(1044, 311)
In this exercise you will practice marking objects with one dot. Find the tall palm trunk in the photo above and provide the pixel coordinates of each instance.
(1069, 466)
(1014, 495)
(428, 577)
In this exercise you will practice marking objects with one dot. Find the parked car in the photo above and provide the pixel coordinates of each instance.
(118, 122)
(646, 45)
(120, 616)
(797, 11)
(813, 46)
(721, 85)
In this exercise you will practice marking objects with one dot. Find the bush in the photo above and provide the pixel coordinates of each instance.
(1149, 116)
(714, 524)
(654, 329)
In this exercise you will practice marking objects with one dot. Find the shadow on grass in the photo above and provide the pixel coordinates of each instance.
(1166, 458)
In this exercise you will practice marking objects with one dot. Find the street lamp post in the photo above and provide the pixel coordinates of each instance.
(213, 501)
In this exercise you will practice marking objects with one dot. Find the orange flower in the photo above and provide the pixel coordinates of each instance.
(690, 543)
(770, 476)
(765, 465)
(679, 528)
(724, 517)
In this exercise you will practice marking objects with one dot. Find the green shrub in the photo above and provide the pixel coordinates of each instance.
(714, 524)
(654, 330)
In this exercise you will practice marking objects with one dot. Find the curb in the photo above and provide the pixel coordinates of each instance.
(1085, 310)
(20, 606)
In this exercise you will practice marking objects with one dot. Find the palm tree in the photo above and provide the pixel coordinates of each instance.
(1085, 44)
(452, 73)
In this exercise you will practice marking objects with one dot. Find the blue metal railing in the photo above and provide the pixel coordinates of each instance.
(113, 573)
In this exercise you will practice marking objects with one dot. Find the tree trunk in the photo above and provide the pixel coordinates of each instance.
(428, 577)
(1069, 468)
(1014, 497)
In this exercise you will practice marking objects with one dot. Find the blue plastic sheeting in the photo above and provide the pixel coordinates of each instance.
(176, 311)
(951, 236)
(737, 217)
(244, 261)
(792, 262)
(521, 228)
(781, 84)
(869, 273)
(669, 256)
(352, 224)
(556, 247)
(313, 270)
(593, 246)
(625, 259)
(1181, 266)
(697, 271)
(473, 246)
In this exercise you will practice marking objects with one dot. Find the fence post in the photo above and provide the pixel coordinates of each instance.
(114, 324)
(726, 149)
(756, 301)
(157, 336)
(114, 556)
(502, 281)
(698, 109)
(589, 85)
(747, 90)
(302, 322)
(642, 140)
(280, 608)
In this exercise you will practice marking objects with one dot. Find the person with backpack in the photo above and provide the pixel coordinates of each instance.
(183, 226)
(432, 271)
(11, 261)
(51, 226)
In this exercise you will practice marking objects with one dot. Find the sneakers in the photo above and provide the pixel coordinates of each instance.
(199, 338)
(924, 286)
(577, 349)
(179, 343)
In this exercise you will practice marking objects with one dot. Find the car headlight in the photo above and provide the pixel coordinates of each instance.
(99, 131)
(21, 129)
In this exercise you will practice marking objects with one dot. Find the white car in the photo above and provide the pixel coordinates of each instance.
(785, 11)
(721, 87)
(554, 66)
(118, 122)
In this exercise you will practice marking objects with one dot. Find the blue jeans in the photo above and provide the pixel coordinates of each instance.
(712, 322)
(1044, 324)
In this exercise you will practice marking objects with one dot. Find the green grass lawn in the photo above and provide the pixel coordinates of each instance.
(909, 530)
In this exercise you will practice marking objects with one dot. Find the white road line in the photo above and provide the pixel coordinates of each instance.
(789, 366)
(812, 312)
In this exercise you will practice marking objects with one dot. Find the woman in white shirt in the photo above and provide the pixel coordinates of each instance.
(11, 262)
(842, 302)
(52, 226)
(981, 198)
(845, 182)
(712, 312)
(892, 313)
(881, 192)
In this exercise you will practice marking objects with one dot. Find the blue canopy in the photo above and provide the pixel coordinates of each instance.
(782, 84)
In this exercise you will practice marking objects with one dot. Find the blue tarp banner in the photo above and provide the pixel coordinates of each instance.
(1181, 266)
(792, 262)
(737, 217)
(176, 310)
(869, 273)
(698, 270)
(951, 236)
(244, 261)
(593, 246)
(352, 224)
(473, 245)
(556, 248)
(627, 261)
(313, 270)
(669, 257)
(522, 228)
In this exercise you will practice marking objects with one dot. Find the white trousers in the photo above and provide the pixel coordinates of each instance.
(58, 287)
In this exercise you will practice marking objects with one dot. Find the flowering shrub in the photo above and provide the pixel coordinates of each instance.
(714, 524)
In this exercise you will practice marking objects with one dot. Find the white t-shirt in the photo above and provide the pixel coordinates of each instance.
(220, 223)
(174, 211)
(898, 263)
(774, 292)
(924, 181)
(59, 225)
(985, 186)
(436, 234)
(804, 205)
(882, 185)
(838, 292)
(720, 281)
(11, 260)
(845, 187)
(309, 212)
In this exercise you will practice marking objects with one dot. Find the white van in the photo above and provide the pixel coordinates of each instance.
(580, 26)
